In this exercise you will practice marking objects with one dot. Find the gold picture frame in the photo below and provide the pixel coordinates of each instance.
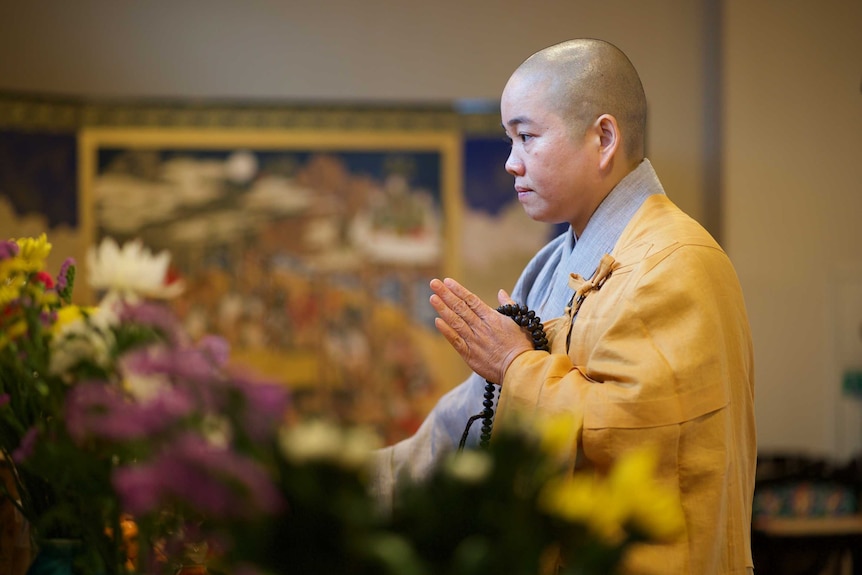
(310, 251)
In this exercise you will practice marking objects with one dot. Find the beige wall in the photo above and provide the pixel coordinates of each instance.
(793, 199)
(791, 136)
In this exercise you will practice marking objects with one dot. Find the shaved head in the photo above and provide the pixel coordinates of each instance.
(588, 78)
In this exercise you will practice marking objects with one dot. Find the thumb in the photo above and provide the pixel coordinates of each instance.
(503, 298)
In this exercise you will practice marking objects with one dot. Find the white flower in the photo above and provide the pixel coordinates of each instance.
(86, 338)
(130, 272)
(145, 387)
(217, 430)
(469, 466)
(323, 441)
(359, 444)
(311, 441)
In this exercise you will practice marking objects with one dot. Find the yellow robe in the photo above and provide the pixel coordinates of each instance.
(660, 354)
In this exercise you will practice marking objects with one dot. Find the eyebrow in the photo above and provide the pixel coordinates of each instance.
(516, 120)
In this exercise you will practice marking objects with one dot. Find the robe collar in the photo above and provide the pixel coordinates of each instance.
(582, 255)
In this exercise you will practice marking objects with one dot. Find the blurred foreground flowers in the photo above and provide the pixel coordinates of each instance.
(115, 422)
(514, 509)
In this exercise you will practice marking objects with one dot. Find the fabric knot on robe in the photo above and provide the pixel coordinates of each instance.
(583, 286)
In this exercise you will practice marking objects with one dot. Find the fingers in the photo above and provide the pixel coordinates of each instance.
(503, 298)
(461, 315)
(450, 323)
(450, 316)
(462, 301)
(450, 310)
(447, 302)
(485, 339)
(455, 340)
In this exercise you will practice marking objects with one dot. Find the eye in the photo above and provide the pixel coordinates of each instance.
(522, 137)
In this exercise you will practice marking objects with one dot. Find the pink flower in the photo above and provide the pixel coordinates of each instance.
(154, 315)
(211, 479)
(215, 348)
(66, 275)
(8, 250)
(100, 410)
(28, 443)
(264, 404)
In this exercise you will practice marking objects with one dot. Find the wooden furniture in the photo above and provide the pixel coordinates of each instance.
(808, 545)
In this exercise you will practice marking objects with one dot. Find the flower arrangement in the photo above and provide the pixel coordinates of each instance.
(151, 450)
(112, 410)
(33, 307)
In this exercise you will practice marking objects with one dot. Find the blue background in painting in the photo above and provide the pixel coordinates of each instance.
(39, 175)
(487, 185)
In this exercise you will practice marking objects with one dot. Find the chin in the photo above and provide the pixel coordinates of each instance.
(540, 216)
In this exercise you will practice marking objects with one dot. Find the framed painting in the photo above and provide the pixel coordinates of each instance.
(309, 252)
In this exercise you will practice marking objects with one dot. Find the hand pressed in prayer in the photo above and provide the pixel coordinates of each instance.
(486, 339)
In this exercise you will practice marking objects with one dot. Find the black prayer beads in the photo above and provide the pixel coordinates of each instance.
(529, 321)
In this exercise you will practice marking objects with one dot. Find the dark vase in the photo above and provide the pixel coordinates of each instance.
(56, 557)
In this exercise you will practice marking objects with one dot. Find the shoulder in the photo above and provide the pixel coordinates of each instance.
(663, 244)
(660, 225)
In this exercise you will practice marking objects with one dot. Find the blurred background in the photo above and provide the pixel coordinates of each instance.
(755, 127)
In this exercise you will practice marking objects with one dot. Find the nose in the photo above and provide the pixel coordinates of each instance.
(513, 165)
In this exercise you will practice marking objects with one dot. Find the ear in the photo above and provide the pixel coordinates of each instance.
(610, 140)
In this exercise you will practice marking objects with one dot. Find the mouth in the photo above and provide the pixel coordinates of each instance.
(523, 191)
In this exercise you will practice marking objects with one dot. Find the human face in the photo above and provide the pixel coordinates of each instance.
(552, 166)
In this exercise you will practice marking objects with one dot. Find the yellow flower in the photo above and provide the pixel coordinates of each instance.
(69, 314)
(652, 509)
(659, 516)
(630, 499)
(558, 436)
(33, 252)
(11, 268)
(10, 289)
(585, 500)
(572, 498)
(15, 330)
(47, 299)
